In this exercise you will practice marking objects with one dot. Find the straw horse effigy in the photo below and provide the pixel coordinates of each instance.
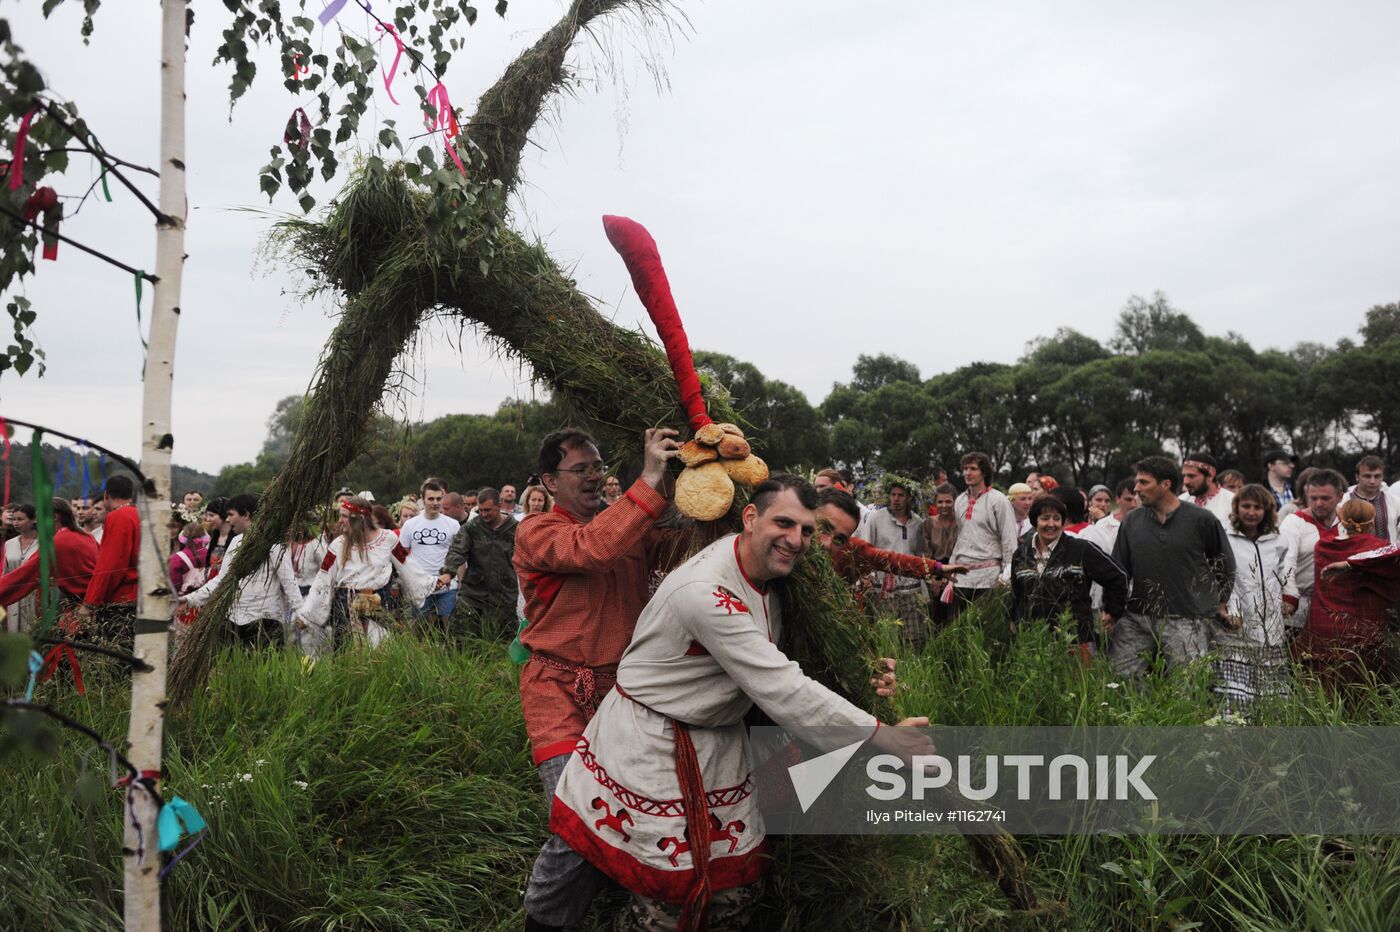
(386, 251)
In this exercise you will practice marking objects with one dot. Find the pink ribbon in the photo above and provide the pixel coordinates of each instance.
(398, 53)
(17, 160)
(437, 97)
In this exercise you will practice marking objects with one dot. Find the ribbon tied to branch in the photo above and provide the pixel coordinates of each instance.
(45, 201)
(446, 120)
(394, 65)
(298, 132)
(17, 158)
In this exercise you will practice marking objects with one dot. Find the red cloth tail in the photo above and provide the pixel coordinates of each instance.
(643, 261)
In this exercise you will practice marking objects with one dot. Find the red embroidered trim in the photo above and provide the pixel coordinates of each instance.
(761, 590)
(670, 808)
(328, 561)
(671, 885)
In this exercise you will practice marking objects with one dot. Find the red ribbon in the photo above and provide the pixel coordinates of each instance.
(298, 69)
(639, 253)
(51, 659)
(446, 120)
(5, 438)
(398, 53)
(298, 132)
(45, 201)
(17, 160)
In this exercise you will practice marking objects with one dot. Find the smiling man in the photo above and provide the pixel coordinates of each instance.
(662, 771)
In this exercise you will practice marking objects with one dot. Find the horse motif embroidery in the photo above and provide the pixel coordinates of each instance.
(719, 832)
(730, 602)
(610, 819)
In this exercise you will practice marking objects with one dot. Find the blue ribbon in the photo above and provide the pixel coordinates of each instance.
(331, 11)
(177, 818)
(36, 663)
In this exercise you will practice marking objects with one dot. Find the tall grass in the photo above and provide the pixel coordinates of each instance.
(392, 789)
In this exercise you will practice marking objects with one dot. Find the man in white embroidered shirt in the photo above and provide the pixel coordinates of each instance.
(662, 770)
(986, 534)
(265, 599)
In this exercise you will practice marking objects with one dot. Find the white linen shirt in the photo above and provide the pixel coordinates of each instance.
(269, 593)
(990, 534)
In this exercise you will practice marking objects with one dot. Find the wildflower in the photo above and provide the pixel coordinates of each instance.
(299, 784)
(259, 762)
(1111, 685)
(247, 778)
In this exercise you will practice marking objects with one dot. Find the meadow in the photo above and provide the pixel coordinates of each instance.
(392, 789)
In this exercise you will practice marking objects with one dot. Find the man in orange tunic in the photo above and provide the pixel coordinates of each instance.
(586, 576)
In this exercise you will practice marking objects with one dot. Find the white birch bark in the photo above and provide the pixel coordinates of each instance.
(145, 736)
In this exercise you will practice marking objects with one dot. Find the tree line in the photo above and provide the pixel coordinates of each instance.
(1073, 406)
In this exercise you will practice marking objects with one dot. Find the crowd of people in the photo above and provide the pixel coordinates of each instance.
(639, 667)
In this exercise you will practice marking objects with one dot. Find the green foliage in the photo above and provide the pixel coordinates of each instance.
(1085, 412)
(420, 809)
(781, 424)
(335, 89)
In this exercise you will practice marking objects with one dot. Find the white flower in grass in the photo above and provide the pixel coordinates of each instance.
(1111, 685)
(259, 762)
(1103, 703)
(299, 784)
(247, 778)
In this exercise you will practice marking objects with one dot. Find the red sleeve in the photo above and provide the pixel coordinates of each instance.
(20, 581)
(556, 543)
(867, 558)
(115, 557)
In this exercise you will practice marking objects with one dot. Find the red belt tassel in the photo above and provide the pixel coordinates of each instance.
(696, 912)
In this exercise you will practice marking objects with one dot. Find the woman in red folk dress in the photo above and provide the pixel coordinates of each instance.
(1344, 641)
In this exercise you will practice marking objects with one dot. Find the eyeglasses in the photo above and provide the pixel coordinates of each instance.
(585, 470)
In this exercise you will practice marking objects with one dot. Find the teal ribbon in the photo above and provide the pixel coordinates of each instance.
(177, 818)
(518, 652)
(36, 663)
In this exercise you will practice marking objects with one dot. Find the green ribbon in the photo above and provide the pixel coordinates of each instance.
(43, 518)
(518, 652)
(97, 146)
(145, 347)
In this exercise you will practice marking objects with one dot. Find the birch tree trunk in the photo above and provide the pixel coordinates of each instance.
(153, 608)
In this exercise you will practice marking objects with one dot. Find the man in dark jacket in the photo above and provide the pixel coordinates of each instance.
(1051, 573)
(486, 544)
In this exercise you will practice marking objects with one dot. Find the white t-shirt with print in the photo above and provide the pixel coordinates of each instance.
(427, 541)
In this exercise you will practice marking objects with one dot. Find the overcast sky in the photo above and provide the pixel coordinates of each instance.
(940, 181)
